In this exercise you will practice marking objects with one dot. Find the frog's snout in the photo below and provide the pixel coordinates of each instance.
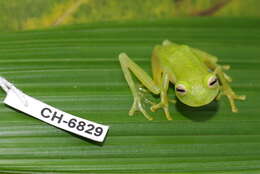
(198, 100)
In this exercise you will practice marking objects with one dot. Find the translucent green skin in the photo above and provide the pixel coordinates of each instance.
(194, 73)
(187, 68)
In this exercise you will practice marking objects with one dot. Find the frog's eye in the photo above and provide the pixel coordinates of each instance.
(181, 89)
(212, 82)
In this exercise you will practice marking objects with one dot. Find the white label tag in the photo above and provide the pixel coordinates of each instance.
(31, 106)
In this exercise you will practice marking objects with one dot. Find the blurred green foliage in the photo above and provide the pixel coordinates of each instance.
(13, 13)
(31, 14)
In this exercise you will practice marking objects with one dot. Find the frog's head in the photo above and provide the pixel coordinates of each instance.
(198, 92)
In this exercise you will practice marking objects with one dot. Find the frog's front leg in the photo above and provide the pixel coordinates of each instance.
(225, 88)
(127, 64)
(164, 104)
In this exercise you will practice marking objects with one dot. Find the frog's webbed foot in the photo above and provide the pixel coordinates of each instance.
(232, 96)
(142, 97)
(138, 106)
(227, 90)
(164, 106)
(138, 102)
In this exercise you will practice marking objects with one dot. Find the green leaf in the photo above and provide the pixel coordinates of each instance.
(76, 69)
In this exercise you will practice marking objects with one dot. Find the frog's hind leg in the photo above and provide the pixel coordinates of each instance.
(128, 65)
(211, 63)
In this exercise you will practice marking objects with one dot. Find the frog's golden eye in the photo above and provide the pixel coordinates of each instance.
(181, 89)
(212, 81)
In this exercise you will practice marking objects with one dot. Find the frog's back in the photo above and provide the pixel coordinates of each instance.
(181, 61)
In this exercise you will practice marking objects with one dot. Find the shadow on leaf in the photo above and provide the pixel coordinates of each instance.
(198, 114)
